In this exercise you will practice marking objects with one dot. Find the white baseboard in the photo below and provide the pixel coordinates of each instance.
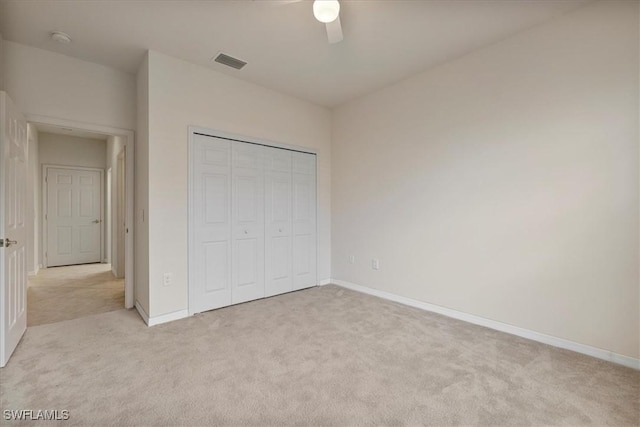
(35, 271)
(169, 317)
(142, 313)
(499, 326)
(157, 320)
(325, 282)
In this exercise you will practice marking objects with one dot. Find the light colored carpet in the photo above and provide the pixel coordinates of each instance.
(324, 356)
(64, 293)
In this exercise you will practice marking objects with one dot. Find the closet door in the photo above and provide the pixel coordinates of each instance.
(304, 220)
(278, 224)
(210, 228)
(248, 222)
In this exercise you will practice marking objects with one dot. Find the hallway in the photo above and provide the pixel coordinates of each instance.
(64, 293)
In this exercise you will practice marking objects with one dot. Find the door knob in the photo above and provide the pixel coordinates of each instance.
(7, 242)
(280, 230)
(96, 221)
(246, 232)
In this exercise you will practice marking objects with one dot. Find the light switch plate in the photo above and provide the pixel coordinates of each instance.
(167, 279)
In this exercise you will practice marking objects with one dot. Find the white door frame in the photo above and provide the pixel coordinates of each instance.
(107, 217)
(45, 204)
(128, 137)
(121, 159)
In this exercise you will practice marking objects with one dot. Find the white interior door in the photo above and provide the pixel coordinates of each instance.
(73, 216)
(13, 266)
(304, 220)
(278, 225)
(247, 222)
(210, 228)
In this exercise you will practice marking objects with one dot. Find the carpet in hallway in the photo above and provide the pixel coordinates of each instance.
(70, 292)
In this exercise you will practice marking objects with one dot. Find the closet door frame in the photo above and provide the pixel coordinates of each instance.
(197, 130)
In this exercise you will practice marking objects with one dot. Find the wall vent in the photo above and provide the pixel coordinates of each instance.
(229, 61)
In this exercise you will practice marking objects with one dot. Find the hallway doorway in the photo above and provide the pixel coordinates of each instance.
(79, 285)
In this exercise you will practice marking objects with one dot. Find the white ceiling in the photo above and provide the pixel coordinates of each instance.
(384, 40)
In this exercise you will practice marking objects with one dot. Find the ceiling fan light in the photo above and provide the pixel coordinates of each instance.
(326, 11)
(60, 37)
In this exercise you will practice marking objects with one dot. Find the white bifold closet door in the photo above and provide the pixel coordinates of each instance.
(210, 225)
(304, 220)
(252, 222)
(278, 220)
(247, 222)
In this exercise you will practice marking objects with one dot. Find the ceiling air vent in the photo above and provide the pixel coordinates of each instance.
(229, 61)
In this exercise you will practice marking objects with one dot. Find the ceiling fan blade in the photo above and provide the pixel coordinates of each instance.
(334, 31)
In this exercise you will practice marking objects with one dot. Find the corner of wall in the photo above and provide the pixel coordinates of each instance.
(33, 201)
(142, 187)
(1, 63)
(449, 179)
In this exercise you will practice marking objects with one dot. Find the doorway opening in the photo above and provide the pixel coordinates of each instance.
(80, 198)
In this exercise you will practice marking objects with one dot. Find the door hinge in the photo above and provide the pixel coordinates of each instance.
(1, 243)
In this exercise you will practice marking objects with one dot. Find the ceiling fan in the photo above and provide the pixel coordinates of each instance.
(327, 12)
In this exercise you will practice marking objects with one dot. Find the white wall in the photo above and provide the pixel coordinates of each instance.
(33, 202)
(64, 150)
(107, 213)
(183, 94)
(53, 85)
(1, 63)
(67, 150)
(504, 183)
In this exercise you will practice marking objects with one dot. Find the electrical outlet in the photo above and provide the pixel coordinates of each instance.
(352, 259)
(375, 264)
(167, 279)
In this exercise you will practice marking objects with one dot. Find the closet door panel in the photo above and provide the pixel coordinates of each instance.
(210, 228)
(248, 222)
(304, 220)
(278, 224)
